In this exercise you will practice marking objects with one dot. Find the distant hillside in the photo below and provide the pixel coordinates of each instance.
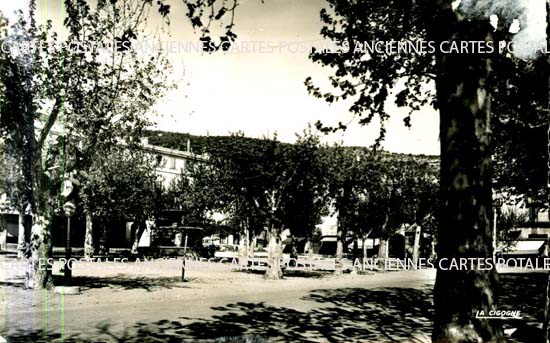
(199, 144)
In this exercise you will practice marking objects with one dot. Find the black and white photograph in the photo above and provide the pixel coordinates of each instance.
(250, 171)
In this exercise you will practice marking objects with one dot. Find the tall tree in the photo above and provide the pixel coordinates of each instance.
(305, 198)
(464, 96)
(463, 90)
(241, 171)
(122, 185)
(84, 93)
(109, 80)
(261, 185)
(344, 183)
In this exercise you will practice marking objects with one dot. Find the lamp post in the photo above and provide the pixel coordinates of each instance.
(69, 208)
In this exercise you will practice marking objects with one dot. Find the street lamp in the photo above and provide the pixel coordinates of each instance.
(69, 208)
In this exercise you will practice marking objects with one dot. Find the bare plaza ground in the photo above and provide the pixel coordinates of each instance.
(149, 303)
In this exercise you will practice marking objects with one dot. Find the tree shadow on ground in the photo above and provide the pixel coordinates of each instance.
(524, 292)
(391, 314)
(123, 282)
(345, 315)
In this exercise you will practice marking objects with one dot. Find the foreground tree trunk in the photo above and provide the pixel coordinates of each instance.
(546, 324)
(465, 227)
(89, 236)
(41, 238)
(41, 245)
(274, 271)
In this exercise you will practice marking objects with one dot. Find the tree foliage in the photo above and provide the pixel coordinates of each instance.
(78, 102)
(520, 126)
(122, 185)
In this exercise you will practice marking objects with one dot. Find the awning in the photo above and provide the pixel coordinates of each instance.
(524, 248)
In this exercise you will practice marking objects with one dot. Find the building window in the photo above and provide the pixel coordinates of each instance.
(162, 161)
(173, 163)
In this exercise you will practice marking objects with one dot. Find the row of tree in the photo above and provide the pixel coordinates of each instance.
(476, 94)
(36, 88)
(260, 184)
(263, 184)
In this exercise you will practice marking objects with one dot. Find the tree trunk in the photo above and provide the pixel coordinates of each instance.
(293, 251)
(416, 245)
(546, 322)
(365, 238)
(41, 247)
(21, 232)
(340, 238)
(338, 269)
(383, 248)
(274, 271)
(310, 248)
(465, 228)
(41, 238)
(141, 226)
(252, 245)
(355, 252)
(355, 255)
(243, 246)
(4, 239)
(382, 253)
(103, 243)
(89, 236)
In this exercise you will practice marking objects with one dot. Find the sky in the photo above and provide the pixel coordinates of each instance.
(262, 93)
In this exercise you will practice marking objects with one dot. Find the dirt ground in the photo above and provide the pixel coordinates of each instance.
(148, 302)
(129, 302)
